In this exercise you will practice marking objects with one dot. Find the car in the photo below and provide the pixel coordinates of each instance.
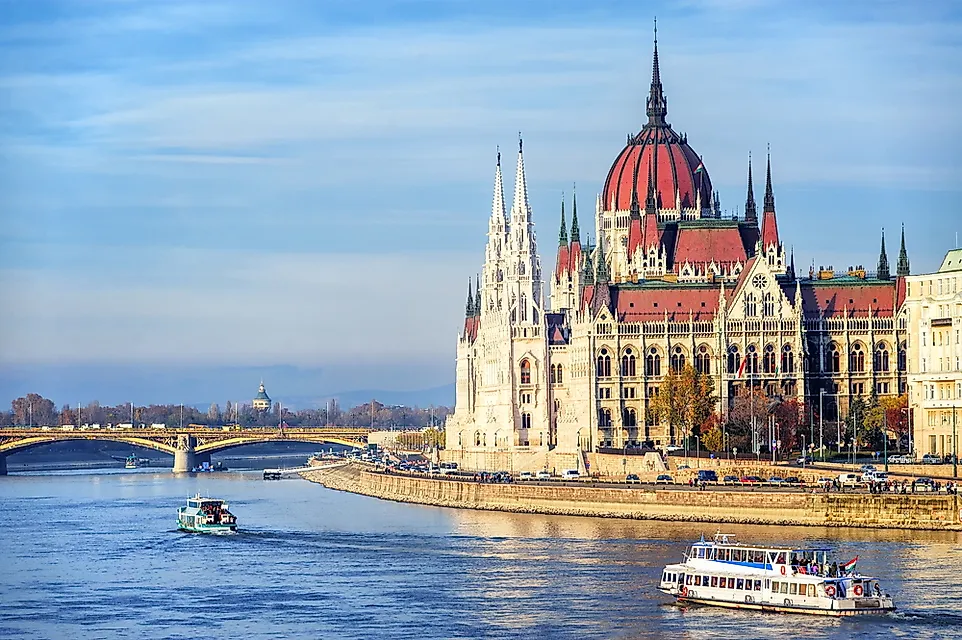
(803, 460)
(707, 475)
(898, 459)
(849, 479)
(632, 478)
(750, 480)
(683, 467)
(543, 475)
(792, 480)
(776, 480)
(866, 468)
(525, 475)
(673, 447)
(923, 484)
(730, 480)
(664, 479)
(570, 474)
(931, 458)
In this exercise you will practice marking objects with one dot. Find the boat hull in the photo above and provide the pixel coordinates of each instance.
(782, 608)
(206, 528)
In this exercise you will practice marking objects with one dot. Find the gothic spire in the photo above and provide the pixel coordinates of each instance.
(791, 266)
(588, 275)
(769, 194)
(751, 213)
(477, 295)
(651, 206)
(602, 273)
(657, 106)
(563, 234)
(575, 231)
(903, 266)
(469, 307)
(882, 273)
(520, 208)
(497, 204)
(635, 210)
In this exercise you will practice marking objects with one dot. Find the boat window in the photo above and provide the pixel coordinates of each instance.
(714, 581)
(740, 583)
(701, 552)
(758, 585)
(784, 587)
(774, 586)
(748, 585)
(793, 589)
(688, 578)
(731, 583)
(781, 558)
(697, 581)
(811, 590)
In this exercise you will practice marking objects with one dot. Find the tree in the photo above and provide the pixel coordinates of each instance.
(685, 401)
(713, 439)
(34, 409)
(213, 414)
(66, 415)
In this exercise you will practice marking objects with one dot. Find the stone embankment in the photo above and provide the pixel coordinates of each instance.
(931, 512)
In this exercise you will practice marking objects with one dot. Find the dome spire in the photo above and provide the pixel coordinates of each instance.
(751, 213)
(882, 273)
(657, 106)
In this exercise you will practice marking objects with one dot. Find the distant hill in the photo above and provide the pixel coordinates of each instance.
(437, 396)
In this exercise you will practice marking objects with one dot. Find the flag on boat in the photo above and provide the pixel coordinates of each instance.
(848, 566)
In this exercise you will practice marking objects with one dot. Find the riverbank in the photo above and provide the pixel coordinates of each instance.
(886, 511)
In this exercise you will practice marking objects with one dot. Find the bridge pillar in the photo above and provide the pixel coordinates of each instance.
(3, 465)
(184, 455)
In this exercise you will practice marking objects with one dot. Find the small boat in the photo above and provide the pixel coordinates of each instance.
(206, 515)
(206, 467)
(133, 462)
(726, 573)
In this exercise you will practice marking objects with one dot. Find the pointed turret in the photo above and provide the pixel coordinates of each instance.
(497, 204)
(561, 262)
(657, 105)
(882, 272)
(601, 274)
(574, 253)
(751, 213)
(634, 225)
(563, 233)
(903, 266)
(588, 275)
(791, 266)
(520, 209)
(651, 237)
(469, 307)
(477, 295)
(769, 224)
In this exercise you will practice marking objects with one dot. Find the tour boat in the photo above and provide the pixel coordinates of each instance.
(133, 462)
(726, 573)
(205, 515)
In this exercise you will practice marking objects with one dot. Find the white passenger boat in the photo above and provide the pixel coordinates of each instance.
(725, 573)
(205, 515)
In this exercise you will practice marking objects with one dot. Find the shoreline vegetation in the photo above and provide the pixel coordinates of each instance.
(881, 511)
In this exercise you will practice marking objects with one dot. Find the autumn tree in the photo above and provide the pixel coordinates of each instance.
(685, 401)
(34, 409)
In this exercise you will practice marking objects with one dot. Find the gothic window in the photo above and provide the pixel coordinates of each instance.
(881, 357)
(524, 308)
(604, 364)
(630, 418)
(734, 360)
(751, 306)
(703, 360)
(677, 359)
(768, 361)
(551, 374)
(560, 376)
(856, 360)
(477, 438)
(604, 418)
(902, 359)
(833, 363)
(525, 420)
(525, 372)
(752, 359)
(768, 305)
(788, 359)
(653, 363)
(628, 363)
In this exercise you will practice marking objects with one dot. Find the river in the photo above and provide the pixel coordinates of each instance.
(95, 554)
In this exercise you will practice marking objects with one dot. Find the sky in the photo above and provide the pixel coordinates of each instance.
(197, 194)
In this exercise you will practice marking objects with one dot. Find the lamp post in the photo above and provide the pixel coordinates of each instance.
(821, 432)
(698, 451)
(955, 448)
(803, 450)
(908, 418)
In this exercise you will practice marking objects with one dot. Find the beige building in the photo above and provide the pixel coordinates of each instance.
(671, 281)
(934, 306)
(262, 401)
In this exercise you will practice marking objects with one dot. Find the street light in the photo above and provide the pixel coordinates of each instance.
(821, 432)
(803, 450)
(908, 418)
(698, 451)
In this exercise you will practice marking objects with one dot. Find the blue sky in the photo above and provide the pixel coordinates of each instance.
(193, 185)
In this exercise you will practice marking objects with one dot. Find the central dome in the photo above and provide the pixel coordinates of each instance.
(659, 152)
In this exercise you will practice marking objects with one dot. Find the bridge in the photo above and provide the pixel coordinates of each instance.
(189, 446)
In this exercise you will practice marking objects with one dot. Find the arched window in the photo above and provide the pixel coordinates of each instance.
(768, 305)
(523, 310)
(768, 361)
(788, 359)
(856, 361)
(525, 372)
(559, 377)
(902, 359)
(630, 418)
(703, 360)
(477, 438)
(752, 359)
(751, 306)
(628, 363)
(833, 363)
(653, 363)
(881, 357)
(525, 420)
(551, 375)
(677, 359)
(604, 364)
(734, 360)
(604, 418)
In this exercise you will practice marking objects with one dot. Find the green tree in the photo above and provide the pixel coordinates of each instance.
(685, 401)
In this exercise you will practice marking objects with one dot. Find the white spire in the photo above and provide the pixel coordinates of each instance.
(497, 205)
(520, 208)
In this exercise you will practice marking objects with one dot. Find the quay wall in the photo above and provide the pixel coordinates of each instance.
(924, 512)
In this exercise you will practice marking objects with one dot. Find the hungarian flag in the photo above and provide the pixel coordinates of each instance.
(700, 167)
(848, 566)
(741, 369)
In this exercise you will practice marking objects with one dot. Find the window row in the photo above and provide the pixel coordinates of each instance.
(724, 582)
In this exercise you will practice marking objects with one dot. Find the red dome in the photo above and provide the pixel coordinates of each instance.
(674, 170)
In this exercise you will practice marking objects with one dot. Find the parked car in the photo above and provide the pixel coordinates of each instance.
(776, 480)
(849, 479)
(931, 458)
(525, 475)
(901, 459)
(923, 484)
(632, 478)
(866, 468)
(792, 480)
(543, 475)
(707, 475)
(750, 480)
(683, 467)
(804, 460)
(730, 480)
(570, 474)
(664, 479)
(673, 447)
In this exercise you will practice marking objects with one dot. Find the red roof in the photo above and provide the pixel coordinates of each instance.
(769, 229)
(674, 168)
(858, 297)
(574, 257)
(561, 265)
(635, 305)
(471, 328)
(634, 237)
(702, 245)
(652, 237)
